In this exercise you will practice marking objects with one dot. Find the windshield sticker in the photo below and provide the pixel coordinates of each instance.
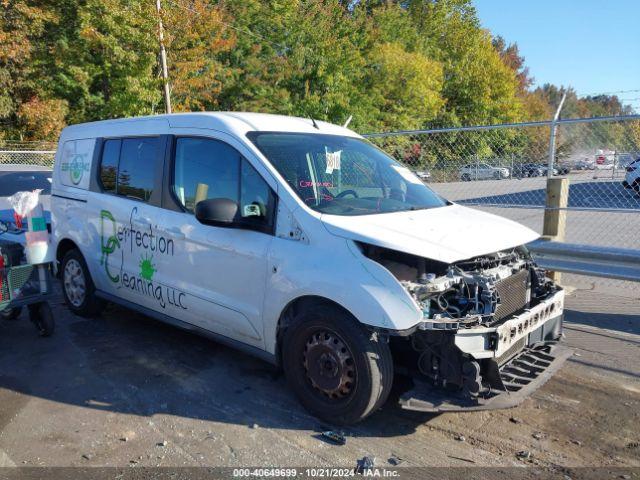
(308, 183)
(333, 161)
(407, 174)
(140, 243)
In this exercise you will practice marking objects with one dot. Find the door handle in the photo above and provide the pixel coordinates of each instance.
(175, 232)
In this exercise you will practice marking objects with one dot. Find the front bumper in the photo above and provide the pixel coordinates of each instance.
(520, 377)
(514, 359)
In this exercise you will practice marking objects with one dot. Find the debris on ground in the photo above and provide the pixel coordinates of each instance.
(124, 439)
(538, 435)
(576, 442)
(461, 458)
(163, 443)
(365, 463)
(633, 445)
(254, 426)
(87, 456)
(524, 455)
(460, 438)
(515, 420)
(395, 460)
(335, 437)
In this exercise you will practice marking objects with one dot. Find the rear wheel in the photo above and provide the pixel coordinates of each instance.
(340, 372)
(465, 177)
(77, 286)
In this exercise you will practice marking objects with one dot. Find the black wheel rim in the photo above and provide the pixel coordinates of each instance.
(329, 365)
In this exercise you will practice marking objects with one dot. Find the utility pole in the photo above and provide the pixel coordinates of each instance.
(163, 61)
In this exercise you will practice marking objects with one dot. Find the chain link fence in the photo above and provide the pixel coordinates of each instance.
(39, 154)
(503, 169)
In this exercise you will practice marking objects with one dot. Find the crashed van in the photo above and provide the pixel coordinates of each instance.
(302, 243)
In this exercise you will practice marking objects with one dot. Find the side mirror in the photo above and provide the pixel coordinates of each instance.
(219, 212)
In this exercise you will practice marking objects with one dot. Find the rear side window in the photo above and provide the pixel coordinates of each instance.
(109, 165)
(137, 167)
(128, 167)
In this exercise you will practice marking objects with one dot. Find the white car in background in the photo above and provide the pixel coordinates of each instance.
(482, 171)
(632, 177)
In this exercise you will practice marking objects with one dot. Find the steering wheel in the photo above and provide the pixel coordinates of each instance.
(347, 192)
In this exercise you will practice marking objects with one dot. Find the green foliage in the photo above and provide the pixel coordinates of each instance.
(391, 65)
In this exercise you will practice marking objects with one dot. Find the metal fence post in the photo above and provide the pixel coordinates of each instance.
(552, 137)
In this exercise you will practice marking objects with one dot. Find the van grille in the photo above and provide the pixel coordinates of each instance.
(513, 294)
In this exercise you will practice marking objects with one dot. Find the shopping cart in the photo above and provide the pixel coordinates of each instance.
(27, 286)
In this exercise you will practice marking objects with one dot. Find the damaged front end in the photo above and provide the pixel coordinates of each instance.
(489, 334)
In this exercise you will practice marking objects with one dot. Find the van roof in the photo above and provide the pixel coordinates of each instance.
(237, 123)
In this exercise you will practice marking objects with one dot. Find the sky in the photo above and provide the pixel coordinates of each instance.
(591, 45)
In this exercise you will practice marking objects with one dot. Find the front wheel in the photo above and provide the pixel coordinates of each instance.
(339, 370)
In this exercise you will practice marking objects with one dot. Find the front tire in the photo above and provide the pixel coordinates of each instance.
(77, 286)
(340, 371)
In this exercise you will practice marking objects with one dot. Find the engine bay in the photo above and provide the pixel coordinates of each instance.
(479, 291)
(480, 316)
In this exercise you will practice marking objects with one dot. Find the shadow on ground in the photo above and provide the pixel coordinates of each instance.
(127, 363)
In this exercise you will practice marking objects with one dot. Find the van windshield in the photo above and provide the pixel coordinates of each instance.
(343, 175)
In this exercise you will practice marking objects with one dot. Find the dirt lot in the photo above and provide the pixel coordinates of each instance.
(124, 390)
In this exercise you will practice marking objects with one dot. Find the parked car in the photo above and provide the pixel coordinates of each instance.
(585, 164)
(632, 176)
(423, 175)
(482, 171)
(301, 243)
(522, 170)
(545, 169)
(562, 169)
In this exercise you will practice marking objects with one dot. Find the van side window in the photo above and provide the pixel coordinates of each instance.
(137, 167)
(109, 165)
(205, 168)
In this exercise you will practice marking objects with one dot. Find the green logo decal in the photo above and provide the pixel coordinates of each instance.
(147, 268)
(126, 241)
(112, 242)
(76, 167)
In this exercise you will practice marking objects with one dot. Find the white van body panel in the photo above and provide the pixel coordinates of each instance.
(447, 234)
(237, 283)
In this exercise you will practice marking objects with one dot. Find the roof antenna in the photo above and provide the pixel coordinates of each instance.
(314, 123)
(346, 124)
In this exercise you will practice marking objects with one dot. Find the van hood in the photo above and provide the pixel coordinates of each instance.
(446, 234)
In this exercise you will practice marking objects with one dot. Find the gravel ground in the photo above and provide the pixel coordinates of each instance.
(124, 390)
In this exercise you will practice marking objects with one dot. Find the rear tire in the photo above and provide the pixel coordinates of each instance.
(339, 371)
(465, 177)
(77, 286)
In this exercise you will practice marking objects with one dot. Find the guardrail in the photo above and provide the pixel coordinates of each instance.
(607, 262)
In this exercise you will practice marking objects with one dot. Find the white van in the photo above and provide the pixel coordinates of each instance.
(302, 243)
